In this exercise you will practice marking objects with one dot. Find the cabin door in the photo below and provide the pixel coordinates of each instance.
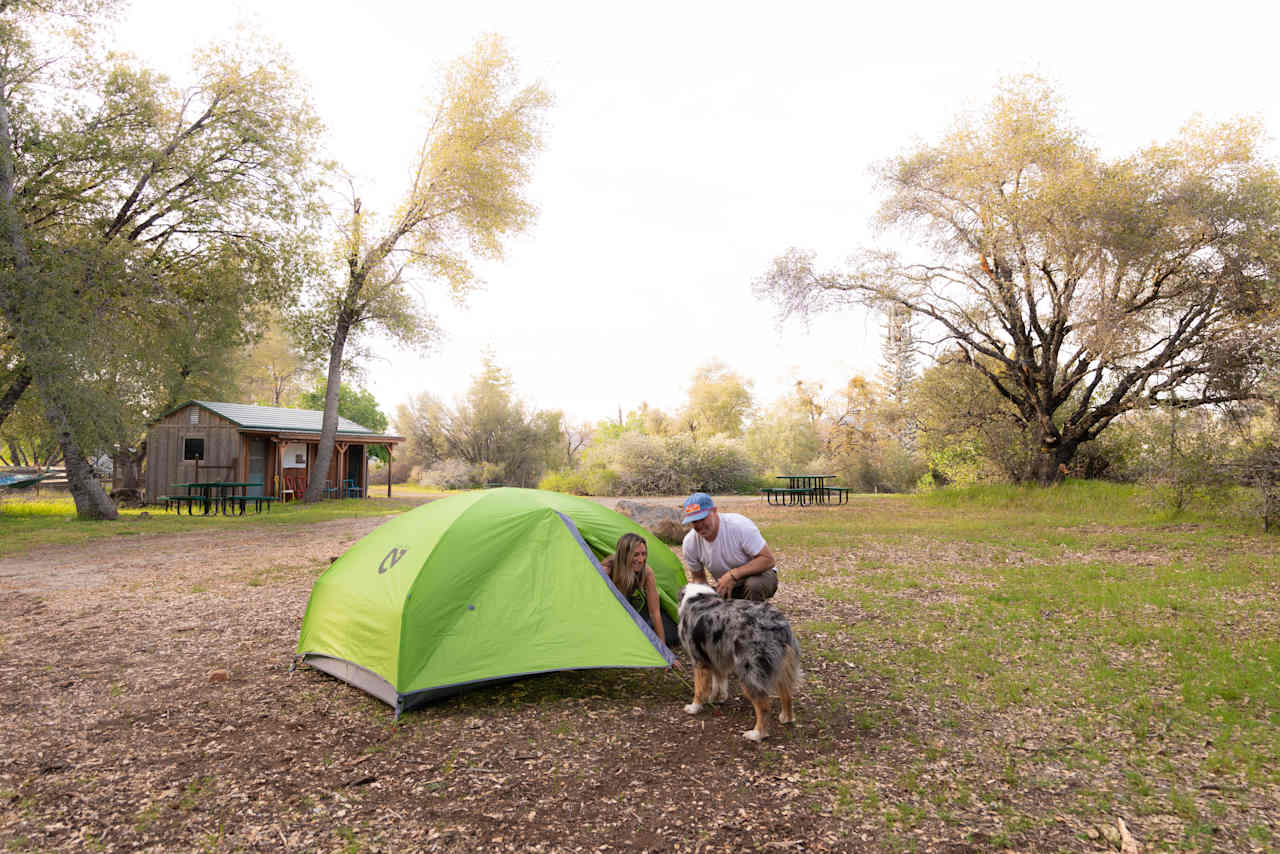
(257, 465)
(355, 465)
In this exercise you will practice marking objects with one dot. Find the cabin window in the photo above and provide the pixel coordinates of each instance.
(193, 449)
(294, 456)
(195, 415)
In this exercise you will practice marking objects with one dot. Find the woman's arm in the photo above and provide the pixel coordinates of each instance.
(655, 605)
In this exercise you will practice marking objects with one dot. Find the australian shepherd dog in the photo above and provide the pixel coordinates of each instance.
(750, 639)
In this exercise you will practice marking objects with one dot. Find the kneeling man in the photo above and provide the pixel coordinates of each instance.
(731, 548)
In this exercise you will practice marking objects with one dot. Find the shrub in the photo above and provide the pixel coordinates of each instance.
(960, 464)
(565, 480)
(602, 481)
(642, 465)
(484, 474)
(1189, 478)
(450, 474)
(401, 472)
(721, 465)
(1179, 455)
(638, 464)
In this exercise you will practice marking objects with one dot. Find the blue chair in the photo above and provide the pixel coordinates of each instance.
(330, 489)
(352, 489)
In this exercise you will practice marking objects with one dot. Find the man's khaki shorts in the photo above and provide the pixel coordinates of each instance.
(756, 588)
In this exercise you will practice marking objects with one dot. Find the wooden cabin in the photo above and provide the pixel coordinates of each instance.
(270, 445)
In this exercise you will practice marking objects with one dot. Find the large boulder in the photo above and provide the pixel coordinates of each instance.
(659, 519)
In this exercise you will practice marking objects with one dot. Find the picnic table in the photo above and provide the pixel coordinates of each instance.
(218, 495)
(806, 489)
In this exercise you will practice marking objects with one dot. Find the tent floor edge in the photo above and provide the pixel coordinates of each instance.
(356, 676)
(371, 683)
(417, 699)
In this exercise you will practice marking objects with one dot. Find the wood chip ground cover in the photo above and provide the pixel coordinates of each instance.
(963, 694)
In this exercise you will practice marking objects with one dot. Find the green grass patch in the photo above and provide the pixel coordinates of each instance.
(1018, 634)
(195, 792)
(263, 576)
(27, 523)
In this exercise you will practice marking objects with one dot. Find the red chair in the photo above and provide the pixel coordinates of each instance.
(293, 484)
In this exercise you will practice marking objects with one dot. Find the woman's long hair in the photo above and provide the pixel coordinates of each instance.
(623, 577)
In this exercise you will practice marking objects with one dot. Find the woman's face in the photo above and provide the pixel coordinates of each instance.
(639, 555)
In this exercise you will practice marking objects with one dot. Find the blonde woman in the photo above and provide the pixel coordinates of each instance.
(630, 572)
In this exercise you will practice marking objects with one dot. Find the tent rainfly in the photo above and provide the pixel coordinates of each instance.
(479, 587)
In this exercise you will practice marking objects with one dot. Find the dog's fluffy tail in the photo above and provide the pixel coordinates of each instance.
(790, 674)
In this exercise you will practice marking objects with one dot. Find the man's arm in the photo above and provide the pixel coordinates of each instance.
(762, 562)
(697, 572)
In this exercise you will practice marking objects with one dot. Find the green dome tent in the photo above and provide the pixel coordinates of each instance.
(482, 586)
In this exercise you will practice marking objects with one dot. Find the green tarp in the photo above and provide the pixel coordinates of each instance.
(482, 586)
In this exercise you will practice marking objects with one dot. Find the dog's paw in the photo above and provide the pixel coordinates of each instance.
(693, 708)
(784, 718)
(720, 691)
(754, 735)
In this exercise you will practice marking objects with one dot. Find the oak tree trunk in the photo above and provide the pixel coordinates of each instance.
(126, 467)
(91, 500)
(11, 396)
(329, 425)
(1050, 464)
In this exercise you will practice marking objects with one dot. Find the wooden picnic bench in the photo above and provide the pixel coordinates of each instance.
(214, 495)
(806, 489)
(780, 496)
(176, 502)
(236, 504)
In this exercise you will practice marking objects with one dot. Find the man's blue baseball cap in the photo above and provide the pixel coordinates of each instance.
(697, 506)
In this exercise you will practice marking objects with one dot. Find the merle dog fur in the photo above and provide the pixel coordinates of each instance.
(752, 640)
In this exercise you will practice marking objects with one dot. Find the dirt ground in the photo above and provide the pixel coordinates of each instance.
(147, 704)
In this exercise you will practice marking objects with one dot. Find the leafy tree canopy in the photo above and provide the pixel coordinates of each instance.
(355, 404)
(465, 197)
(491, 428)
(146, 223)
(1081, 288)
(719, 401)
(275, 369)
(785, 437)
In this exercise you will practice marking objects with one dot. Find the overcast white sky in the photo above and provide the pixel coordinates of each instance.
(690, 143)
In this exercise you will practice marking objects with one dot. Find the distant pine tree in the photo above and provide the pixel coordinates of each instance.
(898, 369)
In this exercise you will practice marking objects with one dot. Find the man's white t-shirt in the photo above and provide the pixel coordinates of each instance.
(738, 541)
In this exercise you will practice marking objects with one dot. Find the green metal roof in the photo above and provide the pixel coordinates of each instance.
(279, 418)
